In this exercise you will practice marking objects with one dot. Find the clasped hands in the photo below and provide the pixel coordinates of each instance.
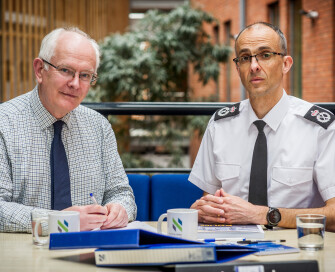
(112, 215)
(227, 209)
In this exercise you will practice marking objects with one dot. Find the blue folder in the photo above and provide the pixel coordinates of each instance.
(128, 238)
(138, 239)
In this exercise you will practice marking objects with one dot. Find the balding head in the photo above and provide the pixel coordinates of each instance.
(282, 39)
(50, 42)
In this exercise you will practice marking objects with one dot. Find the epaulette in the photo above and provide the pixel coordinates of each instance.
(227, 111)
(320, 116)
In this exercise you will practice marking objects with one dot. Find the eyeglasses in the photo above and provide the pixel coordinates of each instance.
(70, 73)
(261, 58)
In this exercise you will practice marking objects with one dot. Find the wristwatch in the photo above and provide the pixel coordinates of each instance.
(273, 217)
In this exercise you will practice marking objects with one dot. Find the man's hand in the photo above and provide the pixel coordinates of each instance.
(117, 216)
(239, 211)
(228, 209)
(91, 216)
(210, 209)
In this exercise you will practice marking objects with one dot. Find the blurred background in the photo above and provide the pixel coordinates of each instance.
(169, 51)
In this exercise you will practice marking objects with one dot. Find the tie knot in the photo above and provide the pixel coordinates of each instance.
(58, 125)
(260, 124)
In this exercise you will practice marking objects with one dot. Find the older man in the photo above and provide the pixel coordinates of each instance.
(266, 159)
(54, 152)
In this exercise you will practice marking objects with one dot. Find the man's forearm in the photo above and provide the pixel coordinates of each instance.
(289, 215)
(14, 217)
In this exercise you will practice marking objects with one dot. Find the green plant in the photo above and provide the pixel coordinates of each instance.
(150, 63)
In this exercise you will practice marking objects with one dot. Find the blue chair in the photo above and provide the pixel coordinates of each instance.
(170, 191)
(141, 187)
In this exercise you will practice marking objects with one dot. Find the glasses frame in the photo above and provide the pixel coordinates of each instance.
(92, 81)
(236, 60)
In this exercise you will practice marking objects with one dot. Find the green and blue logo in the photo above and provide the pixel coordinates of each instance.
(177, 224)
(63, 227)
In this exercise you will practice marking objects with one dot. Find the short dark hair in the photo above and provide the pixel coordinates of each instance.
(283, 42)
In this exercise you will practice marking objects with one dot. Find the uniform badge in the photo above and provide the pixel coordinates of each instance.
(227, 111)
(320, 116)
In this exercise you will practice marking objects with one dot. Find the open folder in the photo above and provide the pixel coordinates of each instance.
(140, 247)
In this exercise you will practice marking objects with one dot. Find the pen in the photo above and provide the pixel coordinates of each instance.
(95, 203)
(211, 240)
(247, 242)
(93, 199)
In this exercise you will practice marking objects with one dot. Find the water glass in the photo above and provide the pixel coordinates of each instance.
(311, 231)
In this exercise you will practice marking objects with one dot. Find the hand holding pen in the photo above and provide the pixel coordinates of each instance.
(95, 202)
(93, 199)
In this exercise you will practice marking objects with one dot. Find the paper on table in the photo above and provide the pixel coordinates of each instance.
(230, 231)
(139, 225)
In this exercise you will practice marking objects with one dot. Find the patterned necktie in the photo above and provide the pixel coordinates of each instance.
(60, 177)
(258, 188)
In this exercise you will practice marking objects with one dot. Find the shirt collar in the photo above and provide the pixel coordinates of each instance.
(274, 117)
(44, 118)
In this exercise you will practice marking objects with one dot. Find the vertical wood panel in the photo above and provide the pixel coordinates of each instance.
(11, 51)
(4, 53)
(29, 40)
(24, 23)
(18, 55)
(24, 85)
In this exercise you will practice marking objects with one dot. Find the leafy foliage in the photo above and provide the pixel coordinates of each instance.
(150, 63)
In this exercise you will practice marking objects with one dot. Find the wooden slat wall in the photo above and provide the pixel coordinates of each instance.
(24, 23)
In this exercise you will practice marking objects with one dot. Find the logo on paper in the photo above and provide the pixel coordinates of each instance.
(63, 227)
(177, 224)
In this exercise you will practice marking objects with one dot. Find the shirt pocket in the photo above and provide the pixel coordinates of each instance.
(292, 176)
(228, 174)
(290, 186)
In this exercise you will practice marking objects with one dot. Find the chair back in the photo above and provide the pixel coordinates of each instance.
(170, 191)
(141, 187)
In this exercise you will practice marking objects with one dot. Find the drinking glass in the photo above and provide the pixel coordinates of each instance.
(311, 231)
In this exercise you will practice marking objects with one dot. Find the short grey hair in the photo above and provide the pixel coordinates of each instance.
(282, 39)
(49, 43)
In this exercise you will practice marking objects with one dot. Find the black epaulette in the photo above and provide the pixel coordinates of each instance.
(227, 111)
(320, 116)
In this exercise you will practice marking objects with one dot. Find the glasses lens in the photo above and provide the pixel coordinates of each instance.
(264, 56)
(244, 59)
(66, 72)
(84, 76)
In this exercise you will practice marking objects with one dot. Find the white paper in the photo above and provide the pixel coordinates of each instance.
(140, 225)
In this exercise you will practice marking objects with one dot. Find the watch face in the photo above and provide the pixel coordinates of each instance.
(274, 216)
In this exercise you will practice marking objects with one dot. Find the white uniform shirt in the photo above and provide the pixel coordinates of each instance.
(301, 154)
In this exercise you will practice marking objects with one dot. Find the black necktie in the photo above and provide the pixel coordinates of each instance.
(258, 187)
(60, 177)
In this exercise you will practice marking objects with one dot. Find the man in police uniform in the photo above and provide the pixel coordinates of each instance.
(299, 145)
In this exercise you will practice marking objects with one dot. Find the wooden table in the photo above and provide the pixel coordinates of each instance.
(18, 254)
